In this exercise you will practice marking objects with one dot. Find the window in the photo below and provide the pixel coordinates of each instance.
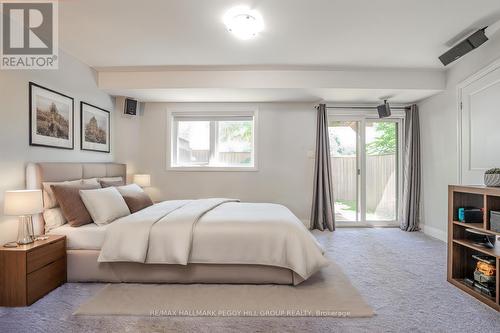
(213, 141)
(366, 167)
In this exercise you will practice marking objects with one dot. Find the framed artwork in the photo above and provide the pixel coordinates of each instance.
(51, 118)
(94, 128)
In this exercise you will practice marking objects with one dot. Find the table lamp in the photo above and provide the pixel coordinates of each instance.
(142, 180)
(24, 203)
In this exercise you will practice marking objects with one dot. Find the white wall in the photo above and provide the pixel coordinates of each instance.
(74, 79)
(127, 137)
(286, 133)
(439, 127)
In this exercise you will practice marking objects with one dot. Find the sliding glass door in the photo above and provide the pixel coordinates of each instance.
(344, 153)
(365, 155)
(381, 170)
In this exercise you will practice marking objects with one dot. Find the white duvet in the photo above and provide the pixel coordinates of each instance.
(215, 231)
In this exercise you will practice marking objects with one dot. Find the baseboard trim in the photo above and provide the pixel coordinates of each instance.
(343, 224)
(435, 233)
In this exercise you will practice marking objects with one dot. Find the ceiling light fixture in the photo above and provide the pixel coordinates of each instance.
(243, 22)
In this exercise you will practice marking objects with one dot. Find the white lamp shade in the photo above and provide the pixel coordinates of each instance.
(25, 202)
(142, 180)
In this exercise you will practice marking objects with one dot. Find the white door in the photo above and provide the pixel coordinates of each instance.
(480, 125)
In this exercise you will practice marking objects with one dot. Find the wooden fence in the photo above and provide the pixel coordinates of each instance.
(380, 181)
(225, 158)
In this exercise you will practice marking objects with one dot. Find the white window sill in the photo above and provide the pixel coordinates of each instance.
(219, 169)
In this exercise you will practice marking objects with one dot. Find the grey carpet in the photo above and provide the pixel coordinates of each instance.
(407, 289)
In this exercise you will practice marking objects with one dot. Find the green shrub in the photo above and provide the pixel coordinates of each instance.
(494, 171)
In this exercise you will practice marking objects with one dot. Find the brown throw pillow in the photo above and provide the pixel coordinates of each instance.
(105, 183)
(49, 200)
(71, 204)
(135, 197)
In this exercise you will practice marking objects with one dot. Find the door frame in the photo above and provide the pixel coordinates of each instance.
(362, 115)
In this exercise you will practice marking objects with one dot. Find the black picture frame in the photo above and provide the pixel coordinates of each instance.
(32, 138)
(82, 129)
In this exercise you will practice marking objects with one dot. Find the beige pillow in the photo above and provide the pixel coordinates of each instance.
(111, 179)
(104, 205)
(111, 183)
(49, 200)
(90, 181)
(135, 197)
(72, 206)
(53, 218)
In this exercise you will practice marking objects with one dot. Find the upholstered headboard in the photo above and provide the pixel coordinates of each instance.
(37, 173)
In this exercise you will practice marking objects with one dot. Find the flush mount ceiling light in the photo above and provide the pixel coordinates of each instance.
(243, 22)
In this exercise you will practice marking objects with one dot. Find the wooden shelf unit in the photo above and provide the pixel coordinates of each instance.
(461, 249)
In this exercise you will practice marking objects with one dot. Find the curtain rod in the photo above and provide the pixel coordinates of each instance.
(367, 107)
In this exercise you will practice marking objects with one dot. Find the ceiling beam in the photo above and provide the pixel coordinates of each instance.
(143, 79)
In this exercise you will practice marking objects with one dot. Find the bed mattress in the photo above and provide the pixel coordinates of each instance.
(87, 237)
(84, 267)
(214, 231)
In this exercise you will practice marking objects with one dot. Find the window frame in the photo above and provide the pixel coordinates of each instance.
(209, 113)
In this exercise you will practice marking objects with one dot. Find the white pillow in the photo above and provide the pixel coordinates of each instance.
(104, 204)
(53, 218)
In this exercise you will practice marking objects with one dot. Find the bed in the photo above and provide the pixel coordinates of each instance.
(183, 241)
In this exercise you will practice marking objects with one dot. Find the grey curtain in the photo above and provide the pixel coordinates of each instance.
(322, 213)
(410, 207)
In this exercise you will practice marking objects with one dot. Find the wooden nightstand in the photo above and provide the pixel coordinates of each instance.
(28, 272)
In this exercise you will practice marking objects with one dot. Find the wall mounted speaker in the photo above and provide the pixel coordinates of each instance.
(384, 110)
(470, 43)
(130, 106)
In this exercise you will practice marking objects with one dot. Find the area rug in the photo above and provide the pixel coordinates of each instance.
(327, 294)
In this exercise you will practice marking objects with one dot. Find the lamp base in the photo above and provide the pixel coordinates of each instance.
(25, 231)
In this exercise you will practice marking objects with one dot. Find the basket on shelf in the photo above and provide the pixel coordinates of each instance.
(492, 177)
